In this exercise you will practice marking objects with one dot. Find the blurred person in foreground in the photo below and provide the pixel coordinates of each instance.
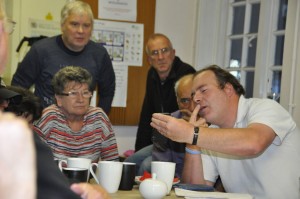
(15, 135)
(73, 128)
(72, 48)
(253, 146)
(42, 178)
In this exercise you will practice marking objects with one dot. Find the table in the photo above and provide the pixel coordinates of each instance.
(135, 194)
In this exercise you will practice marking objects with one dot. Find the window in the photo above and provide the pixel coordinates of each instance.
(257, 41)
(242, 37)
(277, 36)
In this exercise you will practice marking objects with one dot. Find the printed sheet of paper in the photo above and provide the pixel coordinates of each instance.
(121, 72)
(123, 41)
(120, 98)
(43, 27)
(124, 10)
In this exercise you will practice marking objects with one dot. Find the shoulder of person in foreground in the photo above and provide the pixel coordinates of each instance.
(16, 141)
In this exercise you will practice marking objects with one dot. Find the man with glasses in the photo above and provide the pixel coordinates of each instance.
(160, 97)
(72, 48)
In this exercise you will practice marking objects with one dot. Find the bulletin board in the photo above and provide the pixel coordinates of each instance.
(130, 114)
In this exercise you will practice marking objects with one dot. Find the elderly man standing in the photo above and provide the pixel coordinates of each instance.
(72, 48)
(253, 146)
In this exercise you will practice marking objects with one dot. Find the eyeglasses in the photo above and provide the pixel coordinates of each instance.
(185, 100)
(9, 26)
(163, 51)
(75, 94)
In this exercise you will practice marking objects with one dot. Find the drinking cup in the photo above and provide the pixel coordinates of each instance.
(76, 175)
(83, 163)
(108, 174)
(164, 171)
(128, 175)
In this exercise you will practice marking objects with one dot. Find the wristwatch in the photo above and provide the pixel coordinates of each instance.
(196, 133)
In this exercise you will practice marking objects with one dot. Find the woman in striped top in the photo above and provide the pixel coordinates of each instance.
(73, 128)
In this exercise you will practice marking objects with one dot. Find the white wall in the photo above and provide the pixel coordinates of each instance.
(125, 137)
(177, 20)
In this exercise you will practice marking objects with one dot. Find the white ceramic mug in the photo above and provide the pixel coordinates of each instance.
(83, 163)
(108, 174)
(165, 172)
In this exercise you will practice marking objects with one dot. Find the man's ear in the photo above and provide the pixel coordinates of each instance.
(228, 88)
(149, 60)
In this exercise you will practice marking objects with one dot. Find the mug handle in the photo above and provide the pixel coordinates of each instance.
(92, 171)
(60, 164)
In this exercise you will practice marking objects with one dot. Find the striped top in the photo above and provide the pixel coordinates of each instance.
(96, 140)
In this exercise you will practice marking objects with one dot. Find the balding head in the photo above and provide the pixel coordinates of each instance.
(183, 90)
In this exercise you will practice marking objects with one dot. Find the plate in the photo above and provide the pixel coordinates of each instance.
(138, 181)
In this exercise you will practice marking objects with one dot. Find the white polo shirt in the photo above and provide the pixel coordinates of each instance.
(275, 173)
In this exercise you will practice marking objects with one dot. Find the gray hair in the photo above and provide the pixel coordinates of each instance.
(76, 7)
(183, 80)
(71, 74)
(155, 36)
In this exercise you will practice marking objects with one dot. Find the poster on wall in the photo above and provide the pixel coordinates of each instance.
(43, 28)
(121, 72)
(124, 10)
(123, 41)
